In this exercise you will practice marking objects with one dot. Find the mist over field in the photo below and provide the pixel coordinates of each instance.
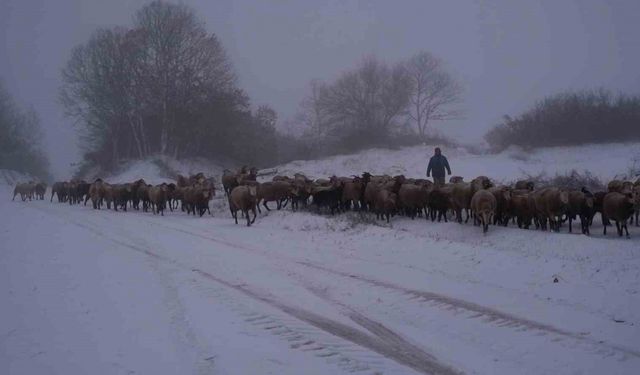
(319, 187)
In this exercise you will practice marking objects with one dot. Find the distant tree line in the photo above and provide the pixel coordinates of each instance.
(165, 86)
(20, 139)
(162, 86)
(571, 118)
(379, 104)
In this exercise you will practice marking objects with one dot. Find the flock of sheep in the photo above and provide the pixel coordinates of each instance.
(386, 196)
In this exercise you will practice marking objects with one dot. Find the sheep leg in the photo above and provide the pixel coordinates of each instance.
(264, 203)
(570, 228)
(234, 214)
(253, 209)
(626, 229)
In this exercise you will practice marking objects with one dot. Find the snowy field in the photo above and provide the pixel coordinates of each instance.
(104, 292)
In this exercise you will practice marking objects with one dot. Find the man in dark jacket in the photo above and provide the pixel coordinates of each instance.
(437, 164)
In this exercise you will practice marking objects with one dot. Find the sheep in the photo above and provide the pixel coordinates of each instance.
(385, 204)
(97, 192)
(376, 183)
(353, 191)
(158, 198)
(143, 195)
(580, 205)
(619, 208)
(277, 191)
(413, 199)
(196, 198)
(327, 196)
(121, 195)
(619, 186)
(483, 205)
(182, 181)
(135, 197)
(229, 181)
(636, 200)
(503, 207)
(455, 179)
(58, 189)
(461, 194)
(40, 190)
(525, 185)
(522, 209)
(440, 202)
(243, 198)
(24, 189)
(301, 193)
(551, 204)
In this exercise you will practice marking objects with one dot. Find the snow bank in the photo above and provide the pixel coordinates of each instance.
(604, 161)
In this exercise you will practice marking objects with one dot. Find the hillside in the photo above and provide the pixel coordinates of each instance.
(605, 161)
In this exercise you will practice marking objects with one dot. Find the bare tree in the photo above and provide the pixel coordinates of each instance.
(183, 63)
(163, 86)
(364, 103)
(311, 114)
(435, 92)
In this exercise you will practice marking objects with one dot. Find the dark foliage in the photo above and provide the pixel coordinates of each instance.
(571, 118)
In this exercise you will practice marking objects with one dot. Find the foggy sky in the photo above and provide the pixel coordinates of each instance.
(506, 53)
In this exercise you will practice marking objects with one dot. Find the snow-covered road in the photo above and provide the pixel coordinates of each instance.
(89, 291)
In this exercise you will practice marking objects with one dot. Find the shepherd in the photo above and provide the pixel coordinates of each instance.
(437, 165)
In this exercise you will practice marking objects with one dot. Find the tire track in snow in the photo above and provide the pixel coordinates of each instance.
(491, 315)
(396, 349)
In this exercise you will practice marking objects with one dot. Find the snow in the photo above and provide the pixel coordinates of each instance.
(88, 291)
(605, 161)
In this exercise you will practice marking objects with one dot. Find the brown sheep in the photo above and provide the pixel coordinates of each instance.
(40, 190)
(229, 181)
(121, 196)
(243, 198)
(636, 200)
(483, 205)
(440, 201)
(414, 199)
(619, 208)
(353, 192)
(385, 204)
(455, 179)
(376, 184)
(196, 198)
(522, 209)
(277, 191)
(97, 192)
(182, 181)
(158, 198)
(503, 208)
(619, 186)
(58, 189)
(481, 182)
(24, 189)
(461, 194)
(551, 204)
(525, 185)
(580, 205)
